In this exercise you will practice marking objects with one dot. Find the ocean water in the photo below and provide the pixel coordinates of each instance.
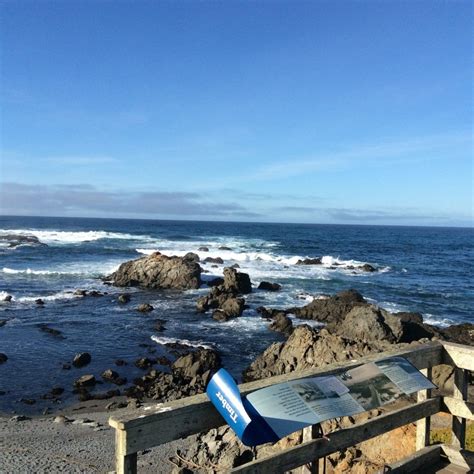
(428, 270)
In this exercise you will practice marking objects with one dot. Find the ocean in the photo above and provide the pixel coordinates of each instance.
(419, 269)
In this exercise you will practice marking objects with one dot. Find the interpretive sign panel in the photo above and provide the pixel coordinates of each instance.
(271, 413)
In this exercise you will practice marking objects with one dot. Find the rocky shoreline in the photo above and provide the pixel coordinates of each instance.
(353, 328)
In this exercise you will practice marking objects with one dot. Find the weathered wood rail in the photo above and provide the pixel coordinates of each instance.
(193, 415)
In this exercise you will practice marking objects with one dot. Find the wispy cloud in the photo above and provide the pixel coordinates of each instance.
(26, 199)
(80, 160)
(375, 154)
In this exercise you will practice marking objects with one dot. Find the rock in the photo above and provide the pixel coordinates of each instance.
(3, 358)
(365, 323)
(145, 308)
(265, 285)
(368, 268)
(61, 419)
(332, 309)
(80, 293)
(95, 293)
(460, 333)
(109, 375)
(192, 257)
(282, 323)
(215, 282)
(159, 325)
(28, 401)
(306, 348)
(120, 362)
(66, 367)
(8, 298)
(237, 281)
(14, 240)
(51, 331)
(310, 261)
(3, 322)
(203, 249)
(124, 298)
(56, 391)
(39, 302)
(233, 307)
(144, 363)
(81, 359)
(158, 271)
(213, 260)
(220, 316)
(17, 418)
(196, 363)
(235, 265)
(85, 381)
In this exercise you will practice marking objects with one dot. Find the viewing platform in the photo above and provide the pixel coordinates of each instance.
(188, 416)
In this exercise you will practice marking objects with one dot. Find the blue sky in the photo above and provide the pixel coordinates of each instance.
(333, 112)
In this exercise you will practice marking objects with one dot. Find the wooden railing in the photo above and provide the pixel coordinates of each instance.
(185, 417)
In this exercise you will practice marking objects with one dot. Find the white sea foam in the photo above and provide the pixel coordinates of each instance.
(72, 237)
(3, 295)
(183, 342)
(61, 295)
(437, 321)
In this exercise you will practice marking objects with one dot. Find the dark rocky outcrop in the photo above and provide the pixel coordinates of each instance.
(159, 271)
(224, 297)
(223, 247)
(39, 302)
(8, 299)
(189, 375)
(3, 358)
(3, 322)
(203, 249)
(213, 260)
(14, 240)
(332, 309)
(281, 323)
(215, 282)
(310, 261)
(266, 285)
(368, 268)
(81, 359)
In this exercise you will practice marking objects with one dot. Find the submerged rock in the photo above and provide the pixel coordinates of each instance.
(158, 271)
(3, 357)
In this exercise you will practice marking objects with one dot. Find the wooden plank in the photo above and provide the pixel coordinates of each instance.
(458, 355)
(423, 425)
(124, 463)
(342, 439)
(310, 433)
(417, 462)
(460, 393)
(423, 356)
(192, 415)
(458, 408)
(461, 458)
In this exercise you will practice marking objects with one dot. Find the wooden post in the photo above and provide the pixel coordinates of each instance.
(309, 433)
(459, 424)
(423, 426)
(124, 463)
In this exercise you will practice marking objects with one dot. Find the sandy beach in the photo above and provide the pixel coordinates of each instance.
(76, 440)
